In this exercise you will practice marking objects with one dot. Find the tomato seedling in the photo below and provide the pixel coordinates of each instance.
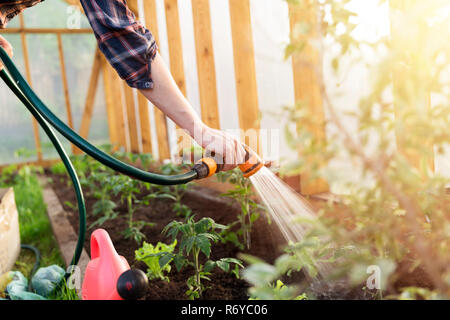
(197, 238)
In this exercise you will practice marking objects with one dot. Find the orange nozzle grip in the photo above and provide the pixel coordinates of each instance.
(252, 165)
(211, 164)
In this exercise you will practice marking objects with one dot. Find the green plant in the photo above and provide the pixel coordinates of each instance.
(395, 207)
(128, 189)
(105, 208)
(58, 169)
(8, 173)
(101, 189)
(196, 238)
(264, 279)
(35, 228)
(279, 291)
(63, 292)
(24, 153)
(250, 209)
(174, 193)
(415, 293)
(158, 265)
(84, 165)
(144, 160)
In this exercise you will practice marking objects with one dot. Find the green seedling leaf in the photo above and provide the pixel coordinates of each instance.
(203, 242)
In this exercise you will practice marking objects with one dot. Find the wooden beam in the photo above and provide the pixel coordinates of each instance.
(116, 85)
(131, 116)
(176, 60)
(205, 63)
(151, 20)
(90, 98)
(245, 69)
(162, 134)
(109, 102)
(75, 3)
(39, 163)
(145, 124)
(26, 59)
(175, 44)
(65, 85)
(133, 5)
(306, 88)
(143, 108)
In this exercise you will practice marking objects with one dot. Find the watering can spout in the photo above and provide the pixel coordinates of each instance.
(104, 269)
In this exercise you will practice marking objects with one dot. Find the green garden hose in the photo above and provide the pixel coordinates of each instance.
(83, 144)
(37, 262)
(45, 118)
(64, 157)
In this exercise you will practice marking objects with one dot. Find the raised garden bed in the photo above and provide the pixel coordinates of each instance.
(204, 200)
(267, 241)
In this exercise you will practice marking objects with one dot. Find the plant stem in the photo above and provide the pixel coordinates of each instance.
(130, 212)
(247, 226)
(197, 271)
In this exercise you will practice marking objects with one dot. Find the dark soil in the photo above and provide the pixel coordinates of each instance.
(267, 241)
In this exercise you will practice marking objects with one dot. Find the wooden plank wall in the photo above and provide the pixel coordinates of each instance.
(176, 60)
(306, 88)
(127, 110)
(151, 20)
(205, 63)
(244, 67)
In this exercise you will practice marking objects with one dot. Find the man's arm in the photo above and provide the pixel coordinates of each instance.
(168, 98)
(131, 49)
(8, 48)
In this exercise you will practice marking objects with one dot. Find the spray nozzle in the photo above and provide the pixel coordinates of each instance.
(207, 167)
(252, 164)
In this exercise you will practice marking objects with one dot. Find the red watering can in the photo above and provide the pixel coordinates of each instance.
(108, 275)
(104, 269)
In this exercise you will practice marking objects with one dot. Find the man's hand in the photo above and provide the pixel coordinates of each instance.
(222, 144)
(8, 48)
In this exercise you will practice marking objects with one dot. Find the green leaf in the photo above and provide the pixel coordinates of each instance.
(209, 265)
(233, 260)
(179, 262)
(187, 244)
(225, 266)
(165, 259)
(260, 274)
(204, 244)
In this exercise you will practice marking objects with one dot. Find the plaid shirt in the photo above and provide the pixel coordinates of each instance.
(126, 43)
(10, 8)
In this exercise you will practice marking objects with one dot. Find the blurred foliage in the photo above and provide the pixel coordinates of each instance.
(35, 228)
(396, 216)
